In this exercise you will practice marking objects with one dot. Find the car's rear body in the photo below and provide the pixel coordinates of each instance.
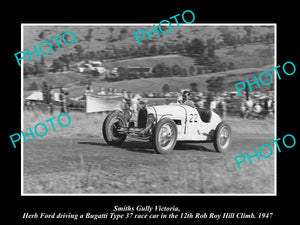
(190, 124)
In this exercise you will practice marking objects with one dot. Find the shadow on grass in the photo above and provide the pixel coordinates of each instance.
(192, 146)
(132, 146)
(147, 147)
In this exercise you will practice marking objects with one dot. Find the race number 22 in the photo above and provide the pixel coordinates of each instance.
(193, 118)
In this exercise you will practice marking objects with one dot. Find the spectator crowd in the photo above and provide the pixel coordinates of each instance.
(255, 106)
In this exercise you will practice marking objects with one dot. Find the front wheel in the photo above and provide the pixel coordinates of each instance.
(222, 137)
(164, 136)
(114, 121)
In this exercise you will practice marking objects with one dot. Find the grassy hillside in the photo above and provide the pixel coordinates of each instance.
(254, 56)
(177, 83)
(78, 84)
(96, 38)
(247, 56)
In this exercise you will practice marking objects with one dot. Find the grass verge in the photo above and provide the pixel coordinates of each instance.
(90, 125)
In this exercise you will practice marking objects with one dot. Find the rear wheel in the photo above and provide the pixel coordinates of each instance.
(114, 121)
(222, 137)
(164, 136)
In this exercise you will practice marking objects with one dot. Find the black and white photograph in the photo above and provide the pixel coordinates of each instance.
(150, 113)
(159, 116)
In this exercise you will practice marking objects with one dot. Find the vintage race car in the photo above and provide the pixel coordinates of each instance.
(164, 125)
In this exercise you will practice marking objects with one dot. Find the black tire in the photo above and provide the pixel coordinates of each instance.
(222, 140)
(112, 121)
(165, 125)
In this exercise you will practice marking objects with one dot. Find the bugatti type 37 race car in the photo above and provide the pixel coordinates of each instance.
(164, 125)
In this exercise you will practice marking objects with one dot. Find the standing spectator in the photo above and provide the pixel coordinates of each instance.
(179, 99)
(29, 105)
(271, 106)
(141, 117)
(51, 99)
(266, 107)
(48, 96)
(243, 109)
(200, 103)
(126, 101)
(64, 99)
(89, 90)
(257, 110)
(249, 103)
(213, 104)
(102, 91)
(249, 107)
(224, 108)
(134, 105)
(45, 90)
(109, 91)
(219, 107)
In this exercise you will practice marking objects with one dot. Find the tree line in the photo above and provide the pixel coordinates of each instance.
(203, 52)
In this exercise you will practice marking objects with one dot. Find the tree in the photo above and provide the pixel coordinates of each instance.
(65, 59)
(161, 70)
(176, 70)
(88, 37)
(123, 33)
(248, 30)
(33, 86)
(178, 34)
(179, 48)
(111, 29)
(211, 43)
(57, 65)
(29, 69)
(54, 45)
(42, 60)
(194, 87)
(231, 66)
(41, 35)
(184, 73)
(124, 75)
(152, 50)
(166, 89)
(211, 52)
(46, 92)
(79, 49)
(74, 57)
(215, 84)
(196, 46)
(165, 28)
(191, 70)
(162, 50)
(200, 70)
(124, 52)
(40, 68)
(228, 38)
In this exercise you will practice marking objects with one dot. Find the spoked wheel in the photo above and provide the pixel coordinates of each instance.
(165, 136)
(222, 137)
(112, 123)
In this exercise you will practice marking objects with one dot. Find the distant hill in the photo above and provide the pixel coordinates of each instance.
(247, 56)
(249, 48)
(97, 38)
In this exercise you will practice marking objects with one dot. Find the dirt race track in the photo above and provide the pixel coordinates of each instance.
(90, 166)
